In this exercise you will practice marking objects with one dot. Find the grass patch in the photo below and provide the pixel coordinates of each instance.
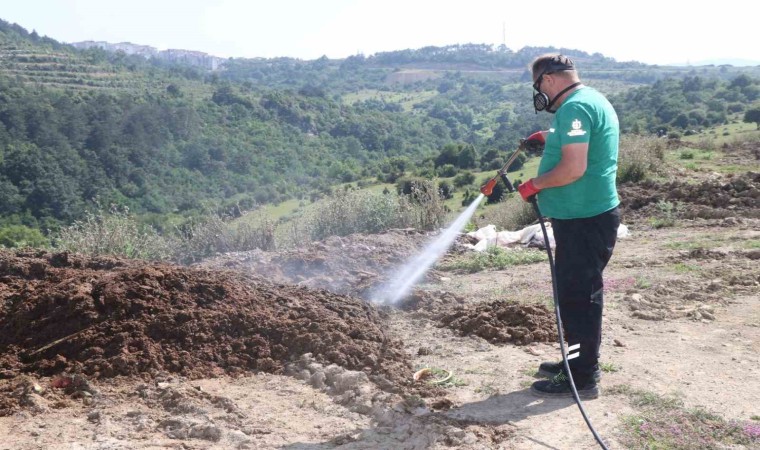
(664, 423)
(454, 381)
(686, 245)
(685, 268)
(407, 100)
(738, 130)
(608, 367)
(734, 168)
(642, 283)
(493, 258)
(659, 222)
(733, 242)
(666, 215)
(750, 244)
(487, 389)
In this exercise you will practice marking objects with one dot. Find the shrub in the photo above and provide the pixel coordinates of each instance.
(114, 232)
(447, 170)
(464, 179)
(513, 214)
(445, 189)
(706, 143)
(428, 211)
(666, 216)
(345, 213)
(215, 233)
(18, 236)
(638, 156)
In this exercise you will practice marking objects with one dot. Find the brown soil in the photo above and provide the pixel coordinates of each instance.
(105, 317)
(718, 198)
(504, 322)
(430, 304)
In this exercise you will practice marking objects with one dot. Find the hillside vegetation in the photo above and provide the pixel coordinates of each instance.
(170, 141)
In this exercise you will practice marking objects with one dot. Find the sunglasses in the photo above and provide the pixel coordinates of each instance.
(537, 83)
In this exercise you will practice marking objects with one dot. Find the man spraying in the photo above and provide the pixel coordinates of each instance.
(575, 187)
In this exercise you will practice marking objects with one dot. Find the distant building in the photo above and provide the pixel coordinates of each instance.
(190, 57)
(194, 58)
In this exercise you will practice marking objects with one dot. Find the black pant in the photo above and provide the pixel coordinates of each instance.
(584, 246)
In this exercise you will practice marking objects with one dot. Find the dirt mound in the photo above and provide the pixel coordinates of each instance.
(717, 198)
(430, 303)
(106, 317)
(502, 322)
(352, 265)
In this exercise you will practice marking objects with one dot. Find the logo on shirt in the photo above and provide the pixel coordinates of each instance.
(577, 129)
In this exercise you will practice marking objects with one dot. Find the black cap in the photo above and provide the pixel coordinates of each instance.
(559, 63)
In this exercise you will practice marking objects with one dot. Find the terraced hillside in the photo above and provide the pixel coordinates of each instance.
(28, 58)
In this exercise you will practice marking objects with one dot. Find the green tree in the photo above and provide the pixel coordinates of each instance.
(447, 170)
(464, 179)
(467, 158)
(753, 115)
(449, 155)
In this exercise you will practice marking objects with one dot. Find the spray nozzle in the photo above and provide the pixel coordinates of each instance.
(487, 188)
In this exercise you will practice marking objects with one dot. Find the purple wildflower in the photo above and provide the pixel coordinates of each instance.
(752, 430)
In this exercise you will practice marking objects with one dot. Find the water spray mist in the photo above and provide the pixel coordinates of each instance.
(410, 273)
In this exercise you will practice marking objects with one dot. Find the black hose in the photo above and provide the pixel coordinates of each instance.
(559, 324)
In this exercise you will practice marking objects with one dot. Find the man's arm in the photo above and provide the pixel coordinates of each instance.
(571, 167)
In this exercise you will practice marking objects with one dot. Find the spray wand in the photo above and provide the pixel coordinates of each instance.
(532, 146)
(487, 188)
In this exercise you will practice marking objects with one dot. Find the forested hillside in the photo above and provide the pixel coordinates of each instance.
(78, 126)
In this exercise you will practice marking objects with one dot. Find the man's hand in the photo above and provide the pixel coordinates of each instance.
(534, 144)
(537, 137)
(527, 190)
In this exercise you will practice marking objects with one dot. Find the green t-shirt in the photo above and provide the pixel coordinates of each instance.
(584, 117)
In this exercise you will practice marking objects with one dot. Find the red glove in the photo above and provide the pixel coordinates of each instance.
(537, 136)
(527, 190)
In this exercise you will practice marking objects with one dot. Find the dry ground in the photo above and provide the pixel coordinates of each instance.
(681, 319)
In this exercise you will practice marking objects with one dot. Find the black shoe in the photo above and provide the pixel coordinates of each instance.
(552, 369)
(559, 387)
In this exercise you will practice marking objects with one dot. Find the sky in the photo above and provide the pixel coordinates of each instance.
(652, 32)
